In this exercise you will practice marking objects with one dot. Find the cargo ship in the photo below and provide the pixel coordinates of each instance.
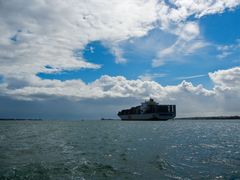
(148, 110)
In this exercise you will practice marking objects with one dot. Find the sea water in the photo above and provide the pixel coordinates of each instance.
(174, 149)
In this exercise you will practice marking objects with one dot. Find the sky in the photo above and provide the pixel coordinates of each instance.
(71, 59)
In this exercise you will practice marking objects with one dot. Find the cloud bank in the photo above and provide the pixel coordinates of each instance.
(191, 100)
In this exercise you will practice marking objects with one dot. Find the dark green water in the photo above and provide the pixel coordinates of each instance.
(207, 149)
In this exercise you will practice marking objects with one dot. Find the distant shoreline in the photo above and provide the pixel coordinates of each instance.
(19, 119)
(208, 117)
(110, 119)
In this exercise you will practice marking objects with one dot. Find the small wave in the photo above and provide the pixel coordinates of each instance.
(123, 156)
(211, 146)
(171, 176)
(2, 137)
(96, 169)
(161, 164)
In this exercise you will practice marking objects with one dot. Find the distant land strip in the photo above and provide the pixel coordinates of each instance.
(19, 119)
(210, 117)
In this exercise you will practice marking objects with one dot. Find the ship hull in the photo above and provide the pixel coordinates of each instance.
(146, 117)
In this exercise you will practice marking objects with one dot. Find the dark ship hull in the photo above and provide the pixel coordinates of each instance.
(148, 111)
(144, 117)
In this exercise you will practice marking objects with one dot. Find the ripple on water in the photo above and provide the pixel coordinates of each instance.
(86, 169)
(123, 156)
(96, 169)
(29, 171)
(161, 164)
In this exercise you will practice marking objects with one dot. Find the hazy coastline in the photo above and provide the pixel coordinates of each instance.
(235, 117)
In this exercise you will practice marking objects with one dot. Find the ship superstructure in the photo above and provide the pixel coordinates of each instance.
(149, 110)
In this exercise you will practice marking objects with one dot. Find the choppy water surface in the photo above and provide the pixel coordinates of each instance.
(120, 150)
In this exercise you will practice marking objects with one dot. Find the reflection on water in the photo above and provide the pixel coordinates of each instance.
(120, 150)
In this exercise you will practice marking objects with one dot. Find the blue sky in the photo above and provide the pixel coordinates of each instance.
(218, 30)
(113, 54)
